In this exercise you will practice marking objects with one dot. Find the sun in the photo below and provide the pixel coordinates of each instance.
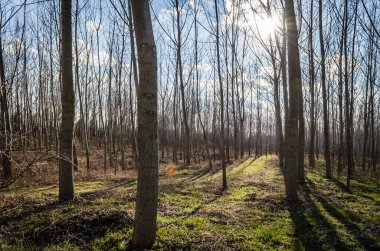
(268, 25)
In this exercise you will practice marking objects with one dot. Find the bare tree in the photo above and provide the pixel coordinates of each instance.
(224, 175)
(292, 129)
(144, 231)
(66, 188)
(326, 130)
(4, 121)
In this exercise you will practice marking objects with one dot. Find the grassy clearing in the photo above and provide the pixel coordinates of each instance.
(195, 215)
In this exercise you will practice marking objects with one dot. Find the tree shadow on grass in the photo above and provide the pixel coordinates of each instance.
(357, 189)
(356, 186)
(366, 241)
(38, 207)
(40, 223)
(26, 211)
(203, 205)
(202, 173)
(81, 227)
(312, 229)
(247, 163)
(340, 184)
(207, 172)
(100, 192)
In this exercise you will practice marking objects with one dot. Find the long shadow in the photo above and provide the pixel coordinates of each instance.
(34, 209)
(48, 231)
(340, 184)
(100, 192)
(366, 241)
(198, 208)
(306, 212)
(210, 171)
(307, 233)
(360, 187)
(246, 165)
(41, 208)
(359, 190)
(80, 228)
(202, 173)
(357, 187)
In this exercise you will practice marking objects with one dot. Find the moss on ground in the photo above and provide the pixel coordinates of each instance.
(194, 214)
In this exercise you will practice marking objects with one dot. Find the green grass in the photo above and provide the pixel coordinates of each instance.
(194, 214)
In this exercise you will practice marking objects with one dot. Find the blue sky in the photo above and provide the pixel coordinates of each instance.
(163, 27)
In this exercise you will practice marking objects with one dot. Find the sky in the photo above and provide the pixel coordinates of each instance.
(255, 29)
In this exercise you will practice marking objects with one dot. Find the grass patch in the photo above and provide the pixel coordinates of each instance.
(194, 214)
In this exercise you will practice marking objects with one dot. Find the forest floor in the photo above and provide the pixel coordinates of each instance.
(194, 214)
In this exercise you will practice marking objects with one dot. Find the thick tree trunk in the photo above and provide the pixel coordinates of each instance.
(66, 188)
(4, 121)
(144, 231)
(292, 140)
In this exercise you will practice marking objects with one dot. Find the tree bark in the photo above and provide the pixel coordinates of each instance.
(224, 173)
(312, 90)
(182, 86)
(292, 141)
(144, 231)
(66, 188)
(326, 131)
(4, 121)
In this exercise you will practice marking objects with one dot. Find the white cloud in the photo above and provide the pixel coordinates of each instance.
(93, 26)
(165, 14)
(11, 44)
(102, 58)
(244, 14)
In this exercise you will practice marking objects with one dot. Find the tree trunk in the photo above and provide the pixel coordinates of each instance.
(66, 188)
(182, 87)
(277, 106)
(326, 132)
(4, 121)
(312, 91)
(292, 141)
(224, 173)
(144, 231)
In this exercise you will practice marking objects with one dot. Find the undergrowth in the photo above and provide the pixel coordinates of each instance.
(194, 214)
